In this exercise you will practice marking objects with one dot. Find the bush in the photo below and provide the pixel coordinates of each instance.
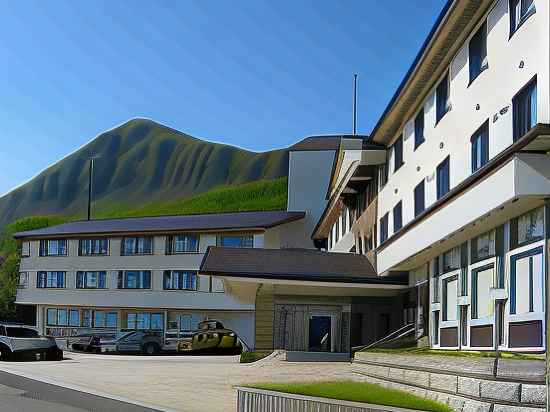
(249, 357)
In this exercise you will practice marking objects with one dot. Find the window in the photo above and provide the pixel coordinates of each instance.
(344, 220)
(337, 230)
(435, 335)
(23, 282)
(483, 246)
(74, 317)
(419, 199)
(442, 98)
(180, 280)
(134, 279)
(450, 294)
(520, 10)
(482, 282)
(526, 282)
(383, 173)
(478, 52)
(244, 241)
(91, 280)
(384, 228)
(419, 129)
(187, 243)
(137, 246)
(480, 147)
(525, 109)
(57, 247)
(397, 150)
(51, 316)
(93, 247)
(145, 321)
(451, 259)
(527, 228)
(51, 280)
(104, 319)
(25, 249)
(398, 217)
(443, 178)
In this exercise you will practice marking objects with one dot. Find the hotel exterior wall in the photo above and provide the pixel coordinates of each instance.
(522, 176)
(308, 179)
(493, 91)
(156, 297)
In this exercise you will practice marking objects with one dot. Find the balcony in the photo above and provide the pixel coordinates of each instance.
(520, 184)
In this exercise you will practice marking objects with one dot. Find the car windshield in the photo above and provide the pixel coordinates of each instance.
(120, 335)
(21, 333)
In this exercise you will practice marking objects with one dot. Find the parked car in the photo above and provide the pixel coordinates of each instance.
(211, 336)
(89, 342)
(145, 342)
(20, 341)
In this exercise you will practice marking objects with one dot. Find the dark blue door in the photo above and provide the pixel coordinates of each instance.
(319, 334)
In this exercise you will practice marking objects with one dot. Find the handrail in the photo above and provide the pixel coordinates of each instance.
(403, 331)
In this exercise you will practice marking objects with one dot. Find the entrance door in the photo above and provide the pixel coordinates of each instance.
(319, 333)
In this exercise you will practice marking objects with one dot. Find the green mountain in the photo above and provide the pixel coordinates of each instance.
(141, 163)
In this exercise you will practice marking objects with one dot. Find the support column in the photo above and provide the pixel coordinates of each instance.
(264, 316)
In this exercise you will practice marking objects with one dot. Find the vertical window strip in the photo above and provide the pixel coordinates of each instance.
(474, 295)
(531, 303)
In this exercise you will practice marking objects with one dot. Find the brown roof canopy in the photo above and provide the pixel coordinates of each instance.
(293, 264)
(159, 224)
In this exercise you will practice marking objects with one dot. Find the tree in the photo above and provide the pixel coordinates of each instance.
(10, 259)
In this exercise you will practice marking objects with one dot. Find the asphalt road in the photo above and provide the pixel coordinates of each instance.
(18, 394)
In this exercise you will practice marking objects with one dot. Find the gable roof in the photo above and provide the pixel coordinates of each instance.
(293, 264)
(164, 224)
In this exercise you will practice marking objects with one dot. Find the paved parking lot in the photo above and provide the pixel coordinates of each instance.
(181, 383)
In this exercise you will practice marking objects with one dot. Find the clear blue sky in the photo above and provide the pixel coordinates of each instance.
(252, 73)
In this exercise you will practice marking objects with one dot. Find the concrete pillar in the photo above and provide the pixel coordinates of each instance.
(264, 317)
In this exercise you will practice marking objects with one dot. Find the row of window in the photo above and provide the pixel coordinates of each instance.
(129, 279)
(520, 10)
(87, 318)
(138, 245)
(525, 117)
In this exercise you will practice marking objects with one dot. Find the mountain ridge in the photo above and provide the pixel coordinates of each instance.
(140, 161)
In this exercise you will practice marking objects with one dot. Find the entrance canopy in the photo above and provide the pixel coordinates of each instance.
(296, 266)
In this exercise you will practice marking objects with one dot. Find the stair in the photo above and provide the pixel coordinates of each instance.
(465, 384)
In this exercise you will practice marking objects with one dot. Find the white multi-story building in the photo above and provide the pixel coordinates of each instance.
(460, 202)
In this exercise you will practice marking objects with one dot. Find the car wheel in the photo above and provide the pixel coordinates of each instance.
(5, 354)
(54, 355)
(151, 349)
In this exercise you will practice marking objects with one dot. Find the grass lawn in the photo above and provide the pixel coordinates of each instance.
(357, 392)
(249, 357)
(253, 196)
(463, 354)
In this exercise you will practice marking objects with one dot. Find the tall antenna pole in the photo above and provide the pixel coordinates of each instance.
(90, 187)
(355, 104)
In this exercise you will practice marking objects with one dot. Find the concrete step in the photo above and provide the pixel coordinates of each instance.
(295, 356)
(463, 382)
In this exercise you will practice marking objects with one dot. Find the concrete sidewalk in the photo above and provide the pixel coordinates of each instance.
(182, 383)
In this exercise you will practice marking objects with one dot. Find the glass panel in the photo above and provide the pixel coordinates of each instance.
(111, 320)
(451, 303)
(131, 280)
(143, 321)
(87, 318)
(51, 316)
(99, 319)
(131, 321)
(185, 323)
(157, 321)
(531, 226)
(62, 317)
(485, 305)
(74, 317)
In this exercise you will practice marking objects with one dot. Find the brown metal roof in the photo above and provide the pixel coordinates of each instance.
(333, 142)
(293, 264)
(214, 221)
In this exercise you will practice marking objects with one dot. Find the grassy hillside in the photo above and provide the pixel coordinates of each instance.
(140, 163)
(260, 195)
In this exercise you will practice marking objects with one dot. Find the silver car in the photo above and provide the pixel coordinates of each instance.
(19, 341)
